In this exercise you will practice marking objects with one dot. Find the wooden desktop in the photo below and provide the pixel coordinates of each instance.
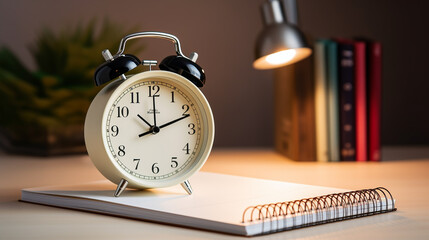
(404, 173)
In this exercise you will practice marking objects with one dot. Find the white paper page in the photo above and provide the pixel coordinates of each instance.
(216, 197)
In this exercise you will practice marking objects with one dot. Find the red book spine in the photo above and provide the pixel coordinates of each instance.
(360, 101)
(374, 101)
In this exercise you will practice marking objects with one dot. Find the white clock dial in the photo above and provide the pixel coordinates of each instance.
(153, 129)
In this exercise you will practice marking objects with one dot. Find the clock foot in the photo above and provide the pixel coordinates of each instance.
(121, 187)
(187, 186)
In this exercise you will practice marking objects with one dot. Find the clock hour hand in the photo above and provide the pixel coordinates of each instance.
(144, 120)
(174, 121)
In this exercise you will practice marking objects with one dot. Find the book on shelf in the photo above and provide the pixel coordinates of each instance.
(346, 53)
(333, 100)
(360, 101)
(222, 203)
(326, 100)
(294, 111)
(374, 59)
(348, 89)
(333, 114)
(321, 104)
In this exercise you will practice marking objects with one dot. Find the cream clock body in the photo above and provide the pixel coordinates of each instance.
(154, 129)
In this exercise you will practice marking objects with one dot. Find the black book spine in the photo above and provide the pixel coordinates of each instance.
(347, 102)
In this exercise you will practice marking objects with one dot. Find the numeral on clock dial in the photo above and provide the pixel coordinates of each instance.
(123, 111)
(186, 148)
(138, 161)
(172, 96)
(153, 90)
(135, 97)
(121, 151)
(174, 163)
(185, 107)
(192, 129)
(155, 168)
(115, 130)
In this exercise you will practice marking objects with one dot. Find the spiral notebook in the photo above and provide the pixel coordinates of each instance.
(222, 203)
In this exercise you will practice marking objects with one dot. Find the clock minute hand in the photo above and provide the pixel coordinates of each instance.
(154, 111)
(174, 121)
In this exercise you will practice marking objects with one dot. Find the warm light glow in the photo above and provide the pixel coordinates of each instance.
(281, 58)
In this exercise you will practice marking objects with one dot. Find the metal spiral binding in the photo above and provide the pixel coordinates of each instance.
(318, 210)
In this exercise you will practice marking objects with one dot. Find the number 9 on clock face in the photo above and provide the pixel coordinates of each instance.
(157, 130)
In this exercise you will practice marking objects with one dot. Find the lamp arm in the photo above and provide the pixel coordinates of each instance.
(277, 12)
(291, 11)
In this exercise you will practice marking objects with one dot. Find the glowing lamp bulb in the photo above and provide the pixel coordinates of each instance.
(281, 57)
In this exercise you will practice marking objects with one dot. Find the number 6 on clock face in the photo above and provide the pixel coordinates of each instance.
(157, 130)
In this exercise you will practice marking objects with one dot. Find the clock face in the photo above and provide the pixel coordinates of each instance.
(153, 129)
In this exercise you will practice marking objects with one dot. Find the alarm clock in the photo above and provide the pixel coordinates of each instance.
(152, 129)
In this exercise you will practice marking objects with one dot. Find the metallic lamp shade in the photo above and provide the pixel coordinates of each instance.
(280, 43)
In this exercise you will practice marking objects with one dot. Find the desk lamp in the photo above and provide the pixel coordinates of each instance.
(281, 42)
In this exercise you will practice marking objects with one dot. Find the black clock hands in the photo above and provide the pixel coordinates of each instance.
(154, 111)
(174, 121)
(156, 129)
(153, 129)
(146, 133)
(144, 120)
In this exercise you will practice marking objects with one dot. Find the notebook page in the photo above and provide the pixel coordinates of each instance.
(216, 197)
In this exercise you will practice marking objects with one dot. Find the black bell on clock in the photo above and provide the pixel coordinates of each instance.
(114, 68)
(185, 67)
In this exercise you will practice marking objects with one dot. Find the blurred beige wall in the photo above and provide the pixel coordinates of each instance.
(223, 33)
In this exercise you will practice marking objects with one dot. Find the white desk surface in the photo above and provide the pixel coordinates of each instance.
(406, 175)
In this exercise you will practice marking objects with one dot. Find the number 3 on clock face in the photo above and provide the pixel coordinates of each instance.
(157, 130)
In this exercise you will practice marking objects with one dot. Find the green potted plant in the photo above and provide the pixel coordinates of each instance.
(42, 112)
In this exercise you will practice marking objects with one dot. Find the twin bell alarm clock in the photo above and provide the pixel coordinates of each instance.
(152, 129)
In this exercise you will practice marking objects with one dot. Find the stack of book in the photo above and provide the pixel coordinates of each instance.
(347, 100)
